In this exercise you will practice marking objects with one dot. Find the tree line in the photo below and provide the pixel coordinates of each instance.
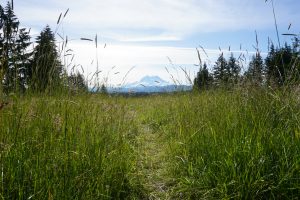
(280, 67)
(27, 66)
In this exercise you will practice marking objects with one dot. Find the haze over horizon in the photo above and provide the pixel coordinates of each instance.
(154, 34)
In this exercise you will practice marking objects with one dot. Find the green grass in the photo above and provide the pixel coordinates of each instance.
(213, 145)
(235, 145)
(76, 148)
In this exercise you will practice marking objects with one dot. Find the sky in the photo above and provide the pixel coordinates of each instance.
(157, 37)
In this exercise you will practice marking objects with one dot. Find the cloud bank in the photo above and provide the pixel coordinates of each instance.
(132, 20)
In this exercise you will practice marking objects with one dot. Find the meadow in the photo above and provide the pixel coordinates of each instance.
(236, 144)
(235, 136)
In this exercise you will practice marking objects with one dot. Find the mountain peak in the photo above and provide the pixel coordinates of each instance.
(148, 81)
(151, 84)
(152, 80)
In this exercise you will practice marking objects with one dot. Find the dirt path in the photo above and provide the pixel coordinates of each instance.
(152, 163)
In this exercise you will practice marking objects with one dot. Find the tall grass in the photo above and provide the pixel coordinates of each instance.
(76, 148)
(240, 145)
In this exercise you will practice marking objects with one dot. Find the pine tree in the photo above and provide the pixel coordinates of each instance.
(296, 63)
(281, 65)
(270, 64)
(203, 79)
(296, 45)
(255, 70)
(23, 59)
(234, 69)
(13, 47)
(2, 58)
(76, 82)
(9, 31)
(103, 89)
(220, 71)
(46, 68)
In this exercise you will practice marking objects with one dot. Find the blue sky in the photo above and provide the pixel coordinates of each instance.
(154, 34)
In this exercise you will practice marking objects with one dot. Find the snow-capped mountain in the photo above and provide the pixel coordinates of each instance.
(148, 81)
(150, 84)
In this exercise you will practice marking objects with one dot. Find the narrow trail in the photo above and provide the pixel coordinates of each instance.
(152, 163)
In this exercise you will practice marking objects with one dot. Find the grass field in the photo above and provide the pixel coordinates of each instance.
(240, 144)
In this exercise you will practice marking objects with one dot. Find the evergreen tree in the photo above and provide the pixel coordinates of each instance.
(281, 65)
(2, 62)
(9, 33)
(46, 68)
(295, 71)
(76, 82)
(220, 71)
(255, 70)
(203, 79)
(233, 69)
(296, 45)
(103, 89)
(13, 47)
(270, 62)
(23, 59)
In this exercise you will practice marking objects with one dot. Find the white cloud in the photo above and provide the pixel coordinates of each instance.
(172, 17)
(116, 60)
(150, 38)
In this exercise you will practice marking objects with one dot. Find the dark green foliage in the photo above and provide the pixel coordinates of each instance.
(10, 29)
(77, 83)
(220, 71)
(296, 45)
(46, 67)
(233, 69)
(103, 89)
(23, 59)
(203, 79)
(14, 56)
(226, 74)
(282, 66)
(255, 70)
